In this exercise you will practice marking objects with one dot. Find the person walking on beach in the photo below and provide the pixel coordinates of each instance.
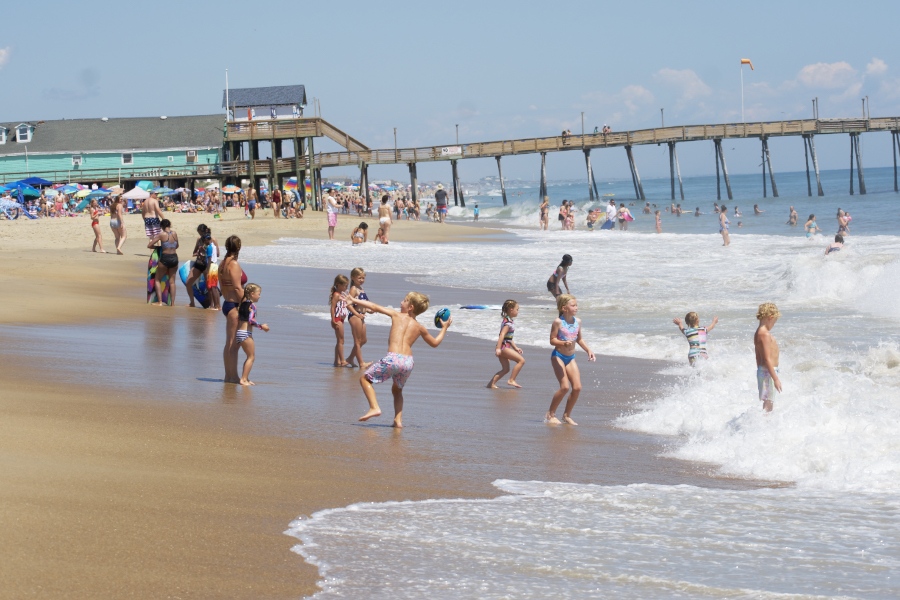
(276, 203)
(564, 335)
(117, 223)
(331, 208)
(398, 364)
(440, 200)
(152, 215)
(243, 337)
(559, 275)
(723, 225)
(231, 281)
(356, 318)
(792, 217)
(251, 203)
(696, 336)
(766, 349)
(506, 349)
(95, 225)
(168, 259)
(385, 219)
(544, 223)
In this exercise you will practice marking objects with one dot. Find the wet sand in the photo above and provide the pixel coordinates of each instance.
(130, 469)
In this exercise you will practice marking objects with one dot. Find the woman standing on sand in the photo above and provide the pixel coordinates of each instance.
(232, 285)
(95, 225)
(117, 223)
(167, 240)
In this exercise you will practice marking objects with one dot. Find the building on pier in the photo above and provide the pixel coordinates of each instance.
(255, 104)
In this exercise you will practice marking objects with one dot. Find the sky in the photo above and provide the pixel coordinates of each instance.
(498, 70)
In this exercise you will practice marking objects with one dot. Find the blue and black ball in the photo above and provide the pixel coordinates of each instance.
(441, 317)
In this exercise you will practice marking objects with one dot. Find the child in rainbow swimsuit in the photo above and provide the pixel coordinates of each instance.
(696, 336)
(398, 364)
(564, 335)
(506, 349)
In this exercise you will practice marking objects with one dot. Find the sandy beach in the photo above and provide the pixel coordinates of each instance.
(130, 470)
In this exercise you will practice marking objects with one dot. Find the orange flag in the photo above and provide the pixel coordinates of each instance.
(746, 61)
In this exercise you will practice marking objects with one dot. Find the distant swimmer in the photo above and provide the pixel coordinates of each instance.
(737, 212)
(716, 207)
(647, 209)
(564, 335)
(723, 225)
(559, 275)
(756, 210)
(766, 348)
(697, 212)
(811, 227)
(843, 220)
(545, 214)
(792, 218)
(397, 365)
(836, 245)
(658, 222)
(506, 349)
(696, 335)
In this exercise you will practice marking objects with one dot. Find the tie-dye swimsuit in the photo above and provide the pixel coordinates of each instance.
(568, 332)
(508, 338)
(393, 366)
(696, 337)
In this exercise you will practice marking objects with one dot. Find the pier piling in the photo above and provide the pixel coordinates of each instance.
(314, 200)
(763, 154)
(769, 162)
(672, 166)
(635, 176)
(718, 180)
(724, 169)
(502, 183)
(815, 161)
(678, 171)
(590, 174)
(543, 186)
(455, 183)
(859, 166)
(895, 138)
(806, 161)
(413, 182)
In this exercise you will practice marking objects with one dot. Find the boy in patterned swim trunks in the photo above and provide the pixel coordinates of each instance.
(767, 355)
(398, 364)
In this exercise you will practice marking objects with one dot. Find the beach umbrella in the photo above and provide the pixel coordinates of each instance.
(117, 189)
(231, 189)
(94, 194)
(82, 193)
(161, 190)
(290, 184)
(51, 193)
(136, 194)
(144, 185)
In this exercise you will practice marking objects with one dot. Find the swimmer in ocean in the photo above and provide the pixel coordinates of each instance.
(836, 245)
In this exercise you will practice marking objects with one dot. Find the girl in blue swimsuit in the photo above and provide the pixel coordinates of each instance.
(356, 317)
(564, 335)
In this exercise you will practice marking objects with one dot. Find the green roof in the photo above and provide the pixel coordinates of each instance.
(96, 135)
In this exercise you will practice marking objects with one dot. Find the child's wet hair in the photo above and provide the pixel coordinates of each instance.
(566, 260)
(356, 273)
(165, 224)
(417, 302)
(839, 238)
(249, 289)
(338, 280)
(692, 319)
(363, 225)
(508, 306)
(562, 300)
(767, 310)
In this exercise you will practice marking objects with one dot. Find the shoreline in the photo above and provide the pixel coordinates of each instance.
(135, 470)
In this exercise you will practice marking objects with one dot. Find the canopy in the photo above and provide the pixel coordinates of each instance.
(37, 181)
(161, 190)
(144, 185)
(137, 193)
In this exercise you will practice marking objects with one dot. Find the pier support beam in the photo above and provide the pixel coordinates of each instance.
(502, 184)
(455, 184)
(252, 153)
(590, 174)
(413, 182)
(672, 167)
(859, 166)
(635, 176)
(895, 140)
(458, 198)
(364, 182)
(768, 157)
(543, 186)
(815, 161)
(313, 200)
(721, 158)
(763, 151)
(678, 171)
(852, 149)
(806, 161)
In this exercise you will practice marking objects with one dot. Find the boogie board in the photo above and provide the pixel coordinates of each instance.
(628, 217)
(608, 225)
(481, 307)
(199, 288)
(165, 282)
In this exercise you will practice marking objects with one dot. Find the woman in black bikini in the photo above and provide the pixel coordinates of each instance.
(168, 258)
(560, 275)
(232, 285)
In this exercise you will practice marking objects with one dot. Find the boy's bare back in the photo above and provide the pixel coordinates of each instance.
(405, 330)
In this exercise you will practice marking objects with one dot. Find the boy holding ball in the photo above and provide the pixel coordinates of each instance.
(398, 364)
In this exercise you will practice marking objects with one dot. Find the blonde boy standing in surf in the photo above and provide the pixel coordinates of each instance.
(767, 355)
(398, 363)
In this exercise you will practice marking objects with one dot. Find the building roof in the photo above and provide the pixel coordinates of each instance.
(96, 135)
(266, 96)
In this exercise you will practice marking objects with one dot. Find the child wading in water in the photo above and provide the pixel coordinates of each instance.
(398, 364)
(565, 333)
(243, 337)
(506, 349)
(357, 318)
(338, 314)
(767, 355)
(696, 335)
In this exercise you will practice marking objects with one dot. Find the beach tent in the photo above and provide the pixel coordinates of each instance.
(37, 181)
(136, 194)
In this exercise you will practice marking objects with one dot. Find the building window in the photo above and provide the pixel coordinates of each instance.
(171, 159)
(191, 156)
(127, 159)
(2, 135)
(76, 160)
(23, 133)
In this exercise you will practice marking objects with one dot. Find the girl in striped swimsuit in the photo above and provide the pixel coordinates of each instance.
(695, 335)
(506, 349)
(246, 322)
(338, 314)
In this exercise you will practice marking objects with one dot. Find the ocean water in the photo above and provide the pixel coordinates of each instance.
(831, 532)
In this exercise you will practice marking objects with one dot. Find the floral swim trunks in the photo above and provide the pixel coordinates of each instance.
(332, 219)
(766, 384)
(393, 366)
